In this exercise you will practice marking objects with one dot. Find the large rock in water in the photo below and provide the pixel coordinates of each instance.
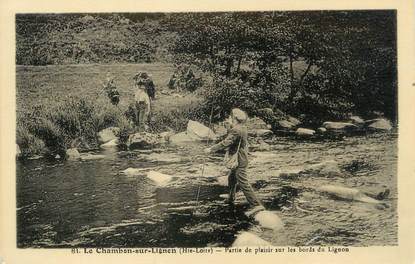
(158, 178)
(278, 119)
(246, 239)
(285, 124)
(356, 120)
(347, 193)
(339, 126)
(198, 131)
(260, 133)
(255, 123)
(108, 134)
(73, 154)
(304, 132)
(293, 120)
(143, 140)
(269, 220)
(110, 144)
(321, 130)
(380, 124)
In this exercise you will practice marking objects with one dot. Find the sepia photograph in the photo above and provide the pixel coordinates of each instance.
(206, 129)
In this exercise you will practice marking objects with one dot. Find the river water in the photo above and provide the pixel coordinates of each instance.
(92, 203)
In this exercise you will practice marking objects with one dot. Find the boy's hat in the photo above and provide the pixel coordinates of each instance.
(239, 115)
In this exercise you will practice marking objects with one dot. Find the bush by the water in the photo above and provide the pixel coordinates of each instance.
(58, 127)
(176, 116)
(76, 121)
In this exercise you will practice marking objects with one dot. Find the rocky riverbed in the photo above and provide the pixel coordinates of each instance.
(109, 201)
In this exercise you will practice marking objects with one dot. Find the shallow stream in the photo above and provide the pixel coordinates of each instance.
(94, 204)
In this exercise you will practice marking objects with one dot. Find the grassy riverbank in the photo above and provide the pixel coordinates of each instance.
(63, 105)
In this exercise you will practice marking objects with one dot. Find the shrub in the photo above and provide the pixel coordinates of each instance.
(176, 116)
(226, 94)
(75, 118)
(58, 126)
(28, 143)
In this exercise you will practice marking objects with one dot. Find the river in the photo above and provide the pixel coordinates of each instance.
(93, 203)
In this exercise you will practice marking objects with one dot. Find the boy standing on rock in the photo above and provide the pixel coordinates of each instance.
(237, 143)
(142, 107)
(142, 78)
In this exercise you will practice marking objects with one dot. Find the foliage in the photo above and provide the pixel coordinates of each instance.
(176, 117)
(348, 58)
(320, 65)
(28, 143)
(87, 38)
(58, 126)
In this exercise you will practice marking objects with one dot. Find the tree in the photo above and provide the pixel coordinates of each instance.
(336, 62)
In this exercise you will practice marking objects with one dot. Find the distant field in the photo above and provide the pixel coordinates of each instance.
(51, 84)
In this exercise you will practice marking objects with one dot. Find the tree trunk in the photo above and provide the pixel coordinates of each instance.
(305, 72)
(291, 66)
(229, 63)
(293, 90)
(239, 64)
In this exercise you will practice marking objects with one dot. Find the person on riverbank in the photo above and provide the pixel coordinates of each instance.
(111, 89)
(142, 107)
(237, 144)
(142, 78)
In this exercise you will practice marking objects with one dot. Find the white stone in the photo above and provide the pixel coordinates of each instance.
(322, 130)
(110, 144)
(270, 220)
(285, 124)
(73, 154)
(108, 134)
(294, 120)
(381, 124)
(338, 125)
(304, 132)
(159, 178)
(247, 239)
(356, 120)
(347, 193)
(198, 131)
(255, 123)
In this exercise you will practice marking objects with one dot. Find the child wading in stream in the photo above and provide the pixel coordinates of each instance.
(237, 144)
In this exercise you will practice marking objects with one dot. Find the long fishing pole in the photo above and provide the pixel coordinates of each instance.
(204, 158)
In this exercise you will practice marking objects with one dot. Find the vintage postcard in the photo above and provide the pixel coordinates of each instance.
(182, 132)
